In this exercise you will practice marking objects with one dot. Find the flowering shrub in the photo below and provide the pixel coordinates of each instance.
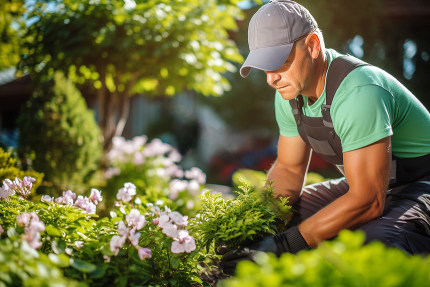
(342, 262)
(153, 168)
(9, 169)
(232, 222)
(139, 245)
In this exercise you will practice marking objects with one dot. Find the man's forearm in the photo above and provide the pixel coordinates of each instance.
(349, 211)
(288, 181)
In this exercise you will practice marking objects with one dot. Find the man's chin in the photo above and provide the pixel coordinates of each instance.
(288, 96)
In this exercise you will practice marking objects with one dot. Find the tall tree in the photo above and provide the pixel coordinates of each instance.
(124, 48)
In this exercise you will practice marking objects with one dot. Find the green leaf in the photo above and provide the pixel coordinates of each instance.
(175, 262)
(58, 246)
(82, 266)
(61, 260)
(98, 273)
(52, 231)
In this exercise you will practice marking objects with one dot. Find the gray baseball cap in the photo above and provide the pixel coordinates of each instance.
(272, 32)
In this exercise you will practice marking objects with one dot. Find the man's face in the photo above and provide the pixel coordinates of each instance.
(292, 78)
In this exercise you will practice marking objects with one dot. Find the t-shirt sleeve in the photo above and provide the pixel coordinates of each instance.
(284, 117)
(362, 116)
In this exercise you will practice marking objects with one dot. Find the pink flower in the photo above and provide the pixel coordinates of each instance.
(116, 243)
(59, 200)
(144, 253)
(175, 156)
(123, 195)
(130, 187)
(5, 191)
(69, 193)
(138, 158)
(23, 219)
(32, 236)
(95, 196)
(1, 230)
(163, 220)
(37, 225)
(91, 208)
(183, 242)
(155, 221)
(47, 198)
(8, 184)
(134, 238)
(170, 229)
(107, 258)
(178, 219)
(28, 181)
(122, 229)
(197, 174)
(136, 219)
(126, 192)
(81, 202)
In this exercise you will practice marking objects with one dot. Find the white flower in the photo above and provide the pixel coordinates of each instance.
(178, 219)
(79, 244)
(164, 219)
(107, 258)
(193, 187)
(169, 229)
(47, 198)
(183, 242)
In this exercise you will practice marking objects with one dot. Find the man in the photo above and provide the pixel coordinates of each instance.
(356, 116)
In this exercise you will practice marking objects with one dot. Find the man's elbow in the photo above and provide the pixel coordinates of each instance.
(376, 208)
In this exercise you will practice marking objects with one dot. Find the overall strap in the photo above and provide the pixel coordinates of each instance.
(337, 71)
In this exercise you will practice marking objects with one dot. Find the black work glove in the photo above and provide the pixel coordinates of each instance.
(288, 241)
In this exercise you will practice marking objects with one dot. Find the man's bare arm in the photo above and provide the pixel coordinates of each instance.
(290, 167)
(367, 171)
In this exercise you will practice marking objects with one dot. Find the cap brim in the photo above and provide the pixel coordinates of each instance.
(266, 59)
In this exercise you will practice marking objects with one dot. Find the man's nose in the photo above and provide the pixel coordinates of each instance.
(272, 77)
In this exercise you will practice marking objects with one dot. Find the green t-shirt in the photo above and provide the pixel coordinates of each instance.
(369, 105)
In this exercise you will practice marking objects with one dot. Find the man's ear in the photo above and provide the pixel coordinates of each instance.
(313, 44)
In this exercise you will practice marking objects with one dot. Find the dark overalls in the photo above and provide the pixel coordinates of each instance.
(405, 222)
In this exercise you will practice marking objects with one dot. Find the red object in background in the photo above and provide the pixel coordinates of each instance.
(266, 163)
(317, 163)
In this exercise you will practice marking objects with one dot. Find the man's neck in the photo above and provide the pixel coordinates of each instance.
(318, 82)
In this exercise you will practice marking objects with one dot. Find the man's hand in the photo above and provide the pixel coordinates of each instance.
(288, 241)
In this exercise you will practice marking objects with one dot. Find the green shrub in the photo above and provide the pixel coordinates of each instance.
(343, 262)
(21, 265)
(252, 214)
(59, 134)
(9, 170)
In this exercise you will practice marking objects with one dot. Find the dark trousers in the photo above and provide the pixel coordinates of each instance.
(405, 222)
